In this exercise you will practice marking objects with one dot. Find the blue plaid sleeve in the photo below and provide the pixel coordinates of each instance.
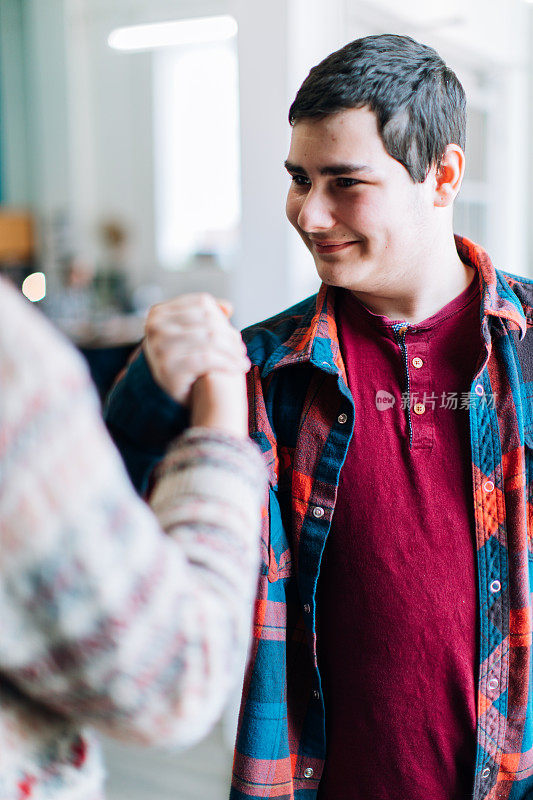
(142, 420)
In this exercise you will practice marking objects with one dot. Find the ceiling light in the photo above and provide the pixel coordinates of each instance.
(171, 34)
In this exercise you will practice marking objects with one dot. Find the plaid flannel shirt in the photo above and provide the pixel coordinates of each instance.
(302, 416)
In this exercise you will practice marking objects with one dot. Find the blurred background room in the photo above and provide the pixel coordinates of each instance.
(141, 156)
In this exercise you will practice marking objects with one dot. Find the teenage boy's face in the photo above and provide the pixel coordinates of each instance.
(356, 208)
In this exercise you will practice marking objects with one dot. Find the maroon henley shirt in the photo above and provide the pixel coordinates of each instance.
(397, 598)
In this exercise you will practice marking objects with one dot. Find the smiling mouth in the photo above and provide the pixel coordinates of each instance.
(331, 247)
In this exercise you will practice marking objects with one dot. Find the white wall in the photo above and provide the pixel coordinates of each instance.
(33, 92)
(13, 118)
(261, 280)
(47, 120)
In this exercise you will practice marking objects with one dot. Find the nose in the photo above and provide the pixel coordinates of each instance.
(315, 212)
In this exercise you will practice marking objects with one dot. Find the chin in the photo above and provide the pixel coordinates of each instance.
(344, 276)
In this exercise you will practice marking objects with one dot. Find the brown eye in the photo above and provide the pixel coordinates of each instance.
(345, 183)
(300, 180)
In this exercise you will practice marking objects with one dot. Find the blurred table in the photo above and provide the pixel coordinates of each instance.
(106, 344)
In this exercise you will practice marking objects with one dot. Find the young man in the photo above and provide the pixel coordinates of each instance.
(391, 650)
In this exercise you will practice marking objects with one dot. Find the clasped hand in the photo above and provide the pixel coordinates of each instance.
(199, 359)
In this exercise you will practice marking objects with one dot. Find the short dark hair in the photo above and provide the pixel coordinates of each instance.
(419, 102)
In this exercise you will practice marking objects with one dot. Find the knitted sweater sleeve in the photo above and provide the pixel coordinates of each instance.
(111, 616)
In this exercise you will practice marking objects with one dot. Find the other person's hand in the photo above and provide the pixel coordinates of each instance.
(190, 337)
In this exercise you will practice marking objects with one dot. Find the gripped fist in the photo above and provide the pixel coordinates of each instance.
(190, 337)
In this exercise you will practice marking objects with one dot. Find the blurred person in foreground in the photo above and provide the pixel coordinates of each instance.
(392, 641)
(112, 617)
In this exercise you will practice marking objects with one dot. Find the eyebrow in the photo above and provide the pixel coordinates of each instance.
(331, 169)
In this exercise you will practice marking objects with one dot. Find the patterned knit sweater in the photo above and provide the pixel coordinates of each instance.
(110, 619)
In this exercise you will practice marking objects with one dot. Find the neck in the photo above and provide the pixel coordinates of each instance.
(426, 287)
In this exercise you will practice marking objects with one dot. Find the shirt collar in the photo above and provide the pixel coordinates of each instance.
(497, 297)
(316, 340)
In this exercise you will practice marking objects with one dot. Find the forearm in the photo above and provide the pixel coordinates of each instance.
(221, 483)
(142, 420)
(105, 618)
(149, 626)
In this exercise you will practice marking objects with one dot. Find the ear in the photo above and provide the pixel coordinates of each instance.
(449, 176)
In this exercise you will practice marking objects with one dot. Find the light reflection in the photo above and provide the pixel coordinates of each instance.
(34, 287)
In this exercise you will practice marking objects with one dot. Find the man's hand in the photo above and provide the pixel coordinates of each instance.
(219, 401)
(190, 337)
